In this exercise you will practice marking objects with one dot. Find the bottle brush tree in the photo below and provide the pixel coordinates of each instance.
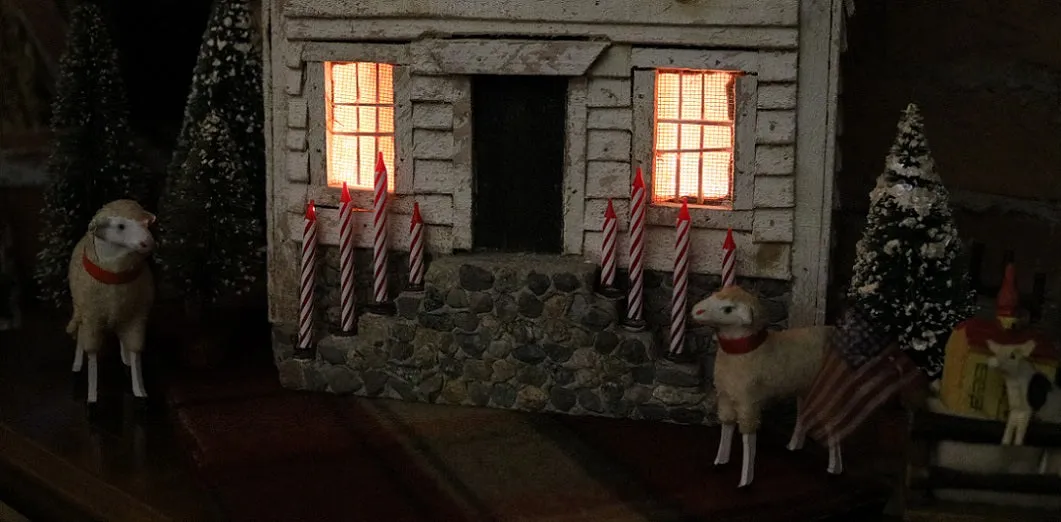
(908, 278)
(93, 159)
(213, 250)
(215, 184)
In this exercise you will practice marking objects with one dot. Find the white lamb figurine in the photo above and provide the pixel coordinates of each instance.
(112, 288)
(1030, 394)
(754, 366)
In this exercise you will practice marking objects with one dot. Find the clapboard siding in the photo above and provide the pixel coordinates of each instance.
(608, 92)
(608, 145)
(409, 29)
(776, 96)
(433, 176)
(608, 179)
(775, 127)
(671, 12)
(773, 160)
(612, 118)
(437, 238)
(664, 215)
(766, 260)
(433, 116)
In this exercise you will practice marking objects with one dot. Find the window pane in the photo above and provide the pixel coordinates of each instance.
(716, 174)
(667, 136)
(663, 176)
(690, 137)
(667, 96)
(386, 119)
(366, 117)
(366, 83)
(367, 160)
(692, 96)
(386, 83)
(689, 174)
(717, 99)
(718, 137)
(386, 145)
(344, 118)
(343, 161)
(344, 83)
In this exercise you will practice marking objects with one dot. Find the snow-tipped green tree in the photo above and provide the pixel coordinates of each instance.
(213, 250)
(93, 159)
(226, 89)
(908, 278)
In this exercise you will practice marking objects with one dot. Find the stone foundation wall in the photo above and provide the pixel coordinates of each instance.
(524, 332)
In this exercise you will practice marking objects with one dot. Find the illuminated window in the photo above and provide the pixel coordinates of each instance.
(694, 136)
(359, 101)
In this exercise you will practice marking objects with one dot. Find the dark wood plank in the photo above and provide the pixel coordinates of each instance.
(938, 426)
(60, 490)
(946, 478)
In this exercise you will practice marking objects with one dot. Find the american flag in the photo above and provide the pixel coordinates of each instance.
(861, 370)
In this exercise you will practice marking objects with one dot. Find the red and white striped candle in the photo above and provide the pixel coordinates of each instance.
(635, 304)
(346, 260)
(309, 277)
(607, 274)
(379, 228)
(680, 279)
(416, 248)
(729, 260)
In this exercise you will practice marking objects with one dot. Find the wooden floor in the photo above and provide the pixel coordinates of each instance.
(233, 446)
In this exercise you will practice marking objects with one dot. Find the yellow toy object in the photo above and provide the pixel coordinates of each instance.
(970, 386)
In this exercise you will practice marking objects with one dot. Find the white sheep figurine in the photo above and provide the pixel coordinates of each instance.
(754, 365)
(112, 288)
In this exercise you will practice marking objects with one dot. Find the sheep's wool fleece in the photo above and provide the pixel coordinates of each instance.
(785, 365)
(109, 306)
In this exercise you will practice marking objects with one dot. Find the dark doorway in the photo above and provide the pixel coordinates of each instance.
(518, 153)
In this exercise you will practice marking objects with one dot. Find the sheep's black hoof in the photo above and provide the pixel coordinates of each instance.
(141, 407)
(79, 384)
(93, 412)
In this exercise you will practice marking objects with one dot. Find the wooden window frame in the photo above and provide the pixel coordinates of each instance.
(314, 95)
(743, 172)
(701, 123)
(330, 105)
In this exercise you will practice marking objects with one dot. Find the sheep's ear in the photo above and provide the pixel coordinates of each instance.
(1026, 348)
(98, 227)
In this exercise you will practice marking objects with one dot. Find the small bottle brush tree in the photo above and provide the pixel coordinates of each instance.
(221, 148)
(213, 250)
(907, 277)
(93, 159)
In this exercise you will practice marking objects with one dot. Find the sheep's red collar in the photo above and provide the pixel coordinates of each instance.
(106, 276)
(742, 345)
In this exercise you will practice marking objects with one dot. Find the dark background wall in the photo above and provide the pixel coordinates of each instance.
(158, 42)
(987, 76)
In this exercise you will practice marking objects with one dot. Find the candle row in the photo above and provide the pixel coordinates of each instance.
(680, 276)
(346, 257)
